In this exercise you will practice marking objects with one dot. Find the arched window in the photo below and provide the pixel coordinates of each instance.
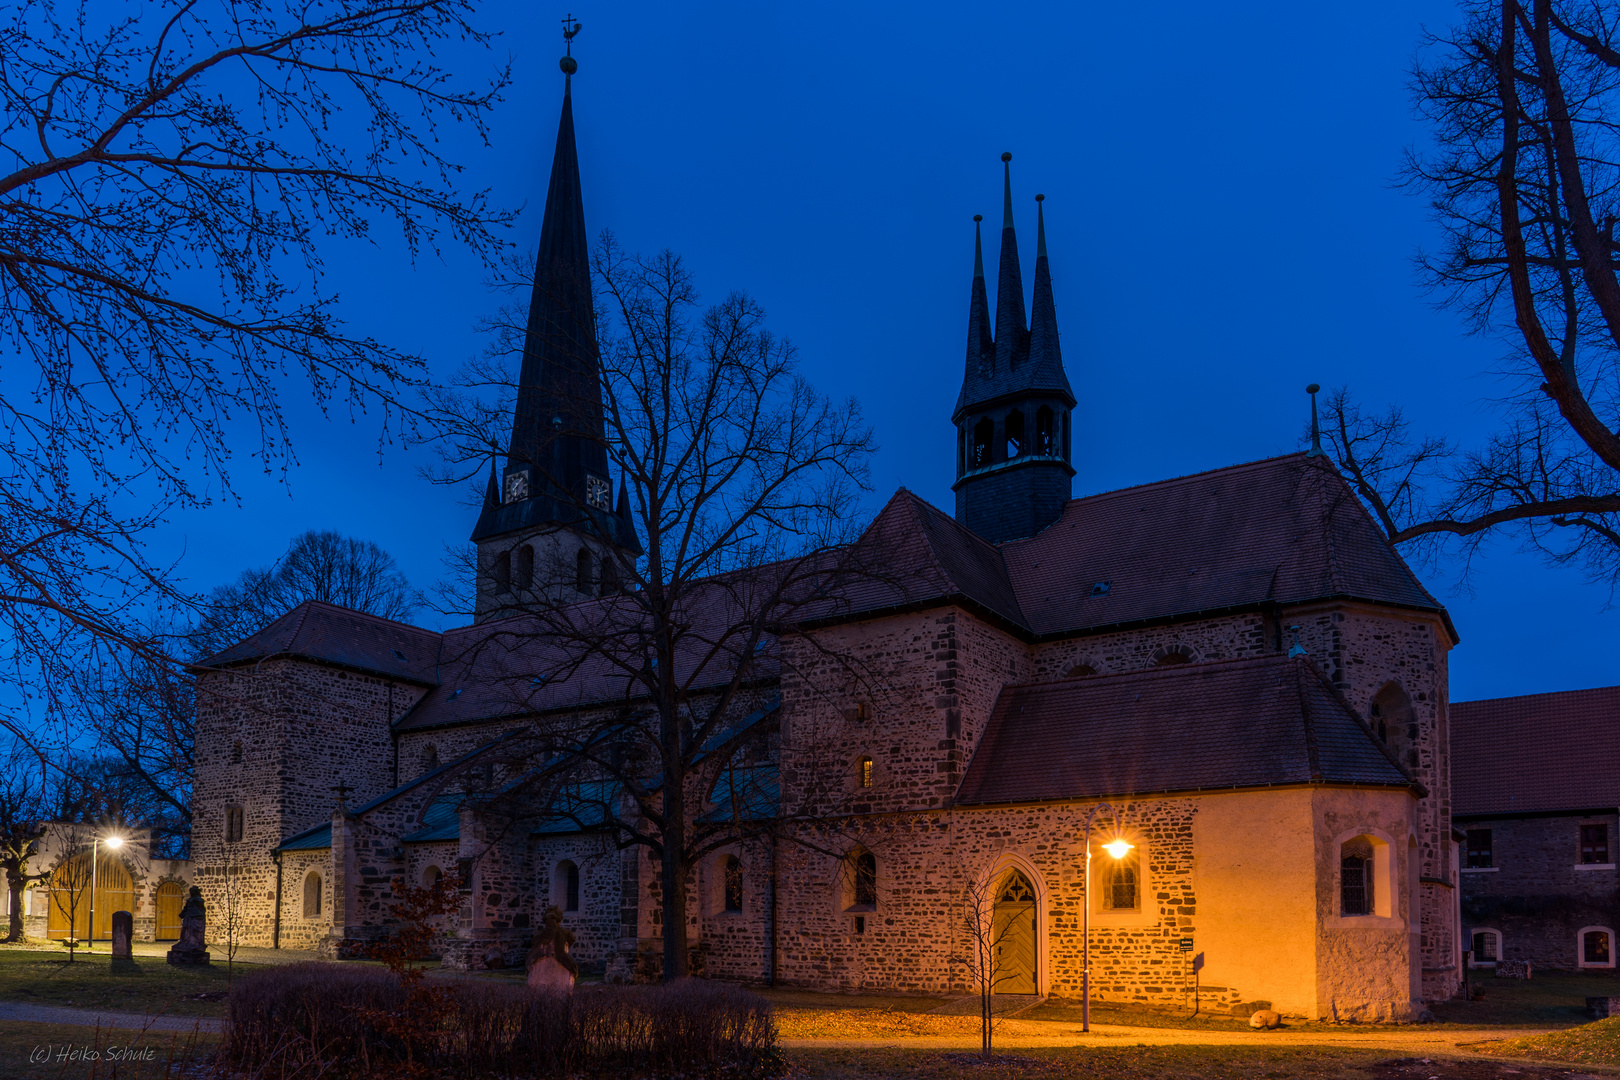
(1595, 945)
(611, 584)
(1172, 658)
(524, 578)
(1355, 884)
(1392, 717)
(1082, 671)
(312, 895)
(1121, 882)
(233, 824)
(1015, 434)
(1045, 432)
(961, 451)
(862, 870)
(501, 570)
(431, 877)
(565, 888)
(983, 432)
(582, 570)
(732, 875)
(1487, 947)
(863, 771)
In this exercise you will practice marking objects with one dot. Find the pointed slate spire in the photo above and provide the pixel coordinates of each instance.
(628, 540)
(1012, 341)
(981, 349)
(1045, 358)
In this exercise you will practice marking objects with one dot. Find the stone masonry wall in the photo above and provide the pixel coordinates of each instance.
(1537, 894)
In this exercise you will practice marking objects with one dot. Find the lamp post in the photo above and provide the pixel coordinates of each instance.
(114, 842)
(1116, 847)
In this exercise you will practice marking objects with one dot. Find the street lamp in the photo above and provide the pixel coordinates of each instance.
(114, 842)
(1118, 848)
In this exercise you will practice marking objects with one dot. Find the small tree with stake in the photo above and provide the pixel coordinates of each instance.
(71, 880)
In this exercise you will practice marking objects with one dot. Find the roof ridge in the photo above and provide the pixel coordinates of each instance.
(306, 604)
(1537, 694)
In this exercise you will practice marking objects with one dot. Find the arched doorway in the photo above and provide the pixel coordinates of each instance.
(1012, 936)
(70, 899)
(170, 899)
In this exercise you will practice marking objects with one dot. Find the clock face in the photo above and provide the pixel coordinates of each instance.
(596, 492)
(517, 486)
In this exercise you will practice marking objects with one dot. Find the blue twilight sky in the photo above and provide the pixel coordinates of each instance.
(1221, 218)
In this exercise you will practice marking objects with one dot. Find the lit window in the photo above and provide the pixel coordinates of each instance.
(863, 772)
(1595, 950)
(1479, 848)
(1119, 884)
(1594, 843)
(863, 711)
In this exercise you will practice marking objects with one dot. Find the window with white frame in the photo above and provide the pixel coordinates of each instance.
(1594, 947)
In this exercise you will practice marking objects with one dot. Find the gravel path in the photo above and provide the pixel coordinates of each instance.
(60, 1014)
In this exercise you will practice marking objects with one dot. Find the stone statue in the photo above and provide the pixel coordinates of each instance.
(193, 926)
(551, 969)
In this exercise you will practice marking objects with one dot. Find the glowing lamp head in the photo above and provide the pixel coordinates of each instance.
(1118, 848)
(114, 842)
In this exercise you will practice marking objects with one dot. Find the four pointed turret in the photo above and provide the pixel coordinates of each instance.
(1012, 416)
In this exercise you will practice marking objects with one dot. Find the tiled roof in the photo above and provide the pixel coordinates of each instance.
(321, 631)
(1540, 752)
(1232, 724)
(1284, 530)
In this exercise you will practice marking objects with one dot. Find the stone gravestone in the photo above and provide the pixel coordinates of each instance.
(193, 925)
(123, 932)
(551, 969)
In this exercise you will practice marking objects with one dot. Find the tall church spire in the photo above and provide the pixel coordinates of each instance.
(556, 472)
(1012, 342)
(1045, 358)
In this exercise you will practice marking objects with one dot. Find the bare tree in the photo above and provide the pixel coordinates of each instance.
(72, 877)
(742, 484)
(173, 172)
(1524, 177)
(22, 824)
(983, 938)
(318, 565)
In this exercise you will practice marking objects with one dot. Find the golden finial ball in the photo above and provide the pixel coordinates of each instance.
(568, 64)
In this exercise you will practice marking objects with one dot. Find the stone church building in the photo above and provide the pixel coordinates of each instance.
(1231, 672)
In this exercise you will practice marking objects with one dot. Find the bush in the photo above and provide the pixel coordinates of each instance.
(330, 1018)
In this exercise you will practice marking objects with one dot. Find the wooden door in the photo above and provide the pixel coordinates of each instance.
(1013, 937)
(170, 898)
(70, 896)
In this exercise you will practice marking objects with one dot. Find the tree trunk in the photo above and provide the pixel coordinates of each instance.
(14, 891)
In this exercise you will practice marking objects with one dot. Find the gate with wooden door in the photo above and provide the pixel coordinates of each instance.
(170, 899)
(1013, 936)
(70, 896)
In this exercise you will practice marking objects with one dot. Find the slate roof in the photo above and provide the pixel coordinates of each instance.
(1232, 724)
(320, 631)
(1536, 753)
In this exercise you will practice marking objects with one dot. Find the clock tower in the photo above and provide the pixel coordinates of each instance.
(549, 530)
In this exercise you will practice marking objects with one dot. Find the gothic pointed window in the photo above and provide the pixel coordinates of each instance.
(860, 881)
(1120, 881)
(732, 871)
(233, 824)
(1356, 878)
(1045, 433)
(566, 888)
(1015, 434)
(312, 895)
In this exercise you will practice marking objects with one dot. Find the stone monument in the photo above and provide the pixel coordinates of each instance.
(123, 932)
(193, 924)
(551, 969)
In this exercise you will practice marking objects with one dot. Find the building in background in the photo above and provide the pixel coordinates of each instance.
(1535, 788)
(121, 878)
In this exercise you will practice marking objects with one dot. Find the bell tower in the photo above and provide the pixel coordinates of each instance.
(549, 530)
(1013, 471)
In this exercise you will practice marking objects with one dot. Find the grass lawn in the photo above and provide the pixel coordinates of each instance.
(1589, 1044)
(1152, 1063)
(1550, 999)
(58, 1050)
(37, 977)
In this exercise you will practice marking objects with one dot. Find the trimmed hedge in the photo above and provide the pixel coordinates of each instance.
(325, 1015)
